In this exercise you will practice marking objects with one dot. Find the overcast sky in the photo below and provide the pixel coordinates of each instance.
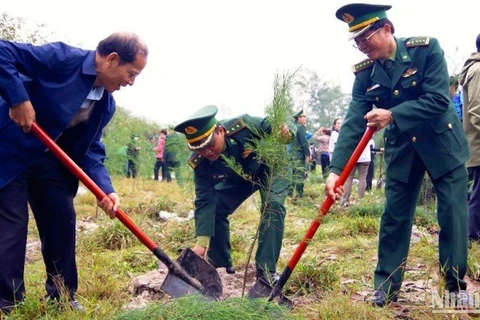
(227, 52)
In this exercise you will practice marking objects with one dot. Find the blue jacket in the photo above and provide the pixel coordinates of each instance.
(56, 78)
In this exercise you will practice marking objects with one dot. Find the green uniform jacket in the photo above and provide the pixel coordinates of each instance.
(424, 119)
(239, 131)
(300, 148)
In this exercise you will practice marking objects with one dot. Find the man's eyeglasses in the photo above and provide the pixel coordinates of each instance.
(364, 41)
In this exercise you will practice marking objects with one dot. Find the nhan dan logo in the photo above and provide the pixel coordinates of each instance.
(455, 302)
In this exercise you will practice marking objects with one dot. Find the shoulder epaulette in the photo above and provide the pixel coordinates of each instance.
(195, 160)
(417, 42)
(236, 127)
(362, 65)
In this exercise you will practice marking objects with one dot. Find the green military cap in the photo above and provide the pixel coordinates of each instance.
(299, 114)
(361, 16)
(199, 127)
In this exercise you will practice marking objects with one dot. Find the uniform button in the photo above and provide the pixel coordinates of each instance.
(396, 92)
(377, 98)
(385, 139)
(414, 83)
(414, 139)
(450, 126)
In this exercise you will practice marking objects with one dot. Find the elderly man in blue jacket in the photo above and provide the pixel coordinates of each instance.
(68, 92)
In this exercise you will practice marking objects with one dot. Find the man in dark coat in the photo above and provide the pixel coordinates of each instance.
(407, 80)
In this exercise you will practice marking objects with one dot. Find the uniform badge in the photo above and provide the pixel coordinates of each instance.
(375, 86)
(409, 72)
(246, 153)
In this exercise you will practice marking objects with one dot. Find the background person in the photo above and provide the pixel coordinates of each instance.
(456, 96)
(159, 152)
(336, 125)
(133, 151)
(322, 135)
(470, 81)
(371, 168)
(300, 155)
(362, 168)
(313, 157)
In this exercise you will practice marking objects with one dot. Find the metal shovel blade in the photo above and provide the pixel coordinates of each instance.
(197, 268)
(262, 289)
(176, 287)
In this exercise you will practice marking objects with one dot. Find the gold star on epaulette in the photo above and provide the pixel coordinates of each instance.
(195, 160)
(236, 127)
(362, 65)
(417, 42)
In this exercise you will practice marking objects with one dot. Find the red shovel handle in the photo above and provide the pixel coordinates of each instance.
(92, 186)
(172, 266)
(321, 212)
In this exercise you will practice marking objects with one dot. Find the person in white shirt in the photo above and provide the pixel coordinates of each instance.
(362, 167)
(337, 124)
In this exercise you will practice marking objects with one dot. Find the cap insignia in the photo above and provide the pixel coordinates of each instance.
(190, 130)
(347, 17)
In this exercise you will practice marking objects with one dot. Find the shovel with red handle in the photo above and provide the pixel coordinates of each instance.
(189, 275)
(263, 289)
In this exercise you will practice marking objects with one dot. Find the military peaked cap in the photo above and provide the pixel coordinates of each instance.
(199, 127)
(361, 16)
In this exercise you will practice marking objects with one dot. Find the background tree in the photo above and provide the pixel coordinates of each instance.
(322, 100)
(117, 135)
(17, 29)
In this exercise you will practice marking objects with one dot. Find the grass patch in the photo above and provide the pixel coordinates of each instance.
(197, 307)
(313, 276)
(115, 236)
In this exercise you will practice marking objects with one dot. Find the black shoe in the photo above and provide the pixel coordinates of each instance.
(6, 311)
(269, 277)
(76, 306)
(380, 299)
(230, 270)
(61, 306)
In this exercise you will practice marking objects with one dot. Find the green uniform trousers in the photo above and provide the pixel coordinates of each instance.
(298, 176)
(396, 226)
(229, 196)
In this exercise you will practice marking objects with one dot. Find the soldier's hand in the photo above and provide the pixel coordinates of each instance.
(23, 115)
(379, 118)
(200, 251)
(110, 204)
(285, 131)
(330, 186)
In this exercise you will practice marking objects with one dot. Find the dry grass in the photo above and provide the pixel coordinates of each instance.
(332, 281)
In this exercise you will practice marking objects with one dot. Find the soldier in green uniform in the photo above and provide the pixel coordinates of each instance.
(407, 80)
(220, 190)
(300, 154)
